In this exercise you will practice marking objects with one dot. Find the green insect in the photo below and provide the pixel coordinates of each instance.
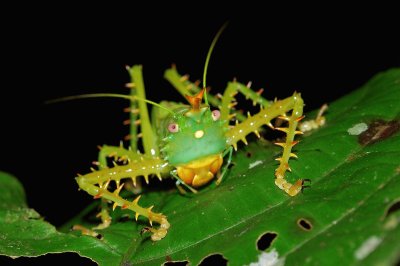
(187, 142)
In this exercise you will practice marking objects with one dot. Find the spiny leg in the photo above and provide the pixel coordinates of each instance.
(134, 118)
(228, 100)
(138, 116)
(256, 98)
(185, 87)
(96, 184)
(181, 83)
(291, 131)
(148, 136)
(105, 217)
(228, 103)
(118, 154)
(264, 117)
(297, 111)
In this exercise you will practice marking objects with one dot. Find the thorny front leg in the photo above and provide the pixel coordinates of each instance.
(309, 125)
(264, 117)
(96, 184)
(119, 154)
(293, 120)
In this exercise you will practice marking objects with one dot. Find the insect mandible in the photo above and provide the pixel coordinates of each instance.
(188, 142)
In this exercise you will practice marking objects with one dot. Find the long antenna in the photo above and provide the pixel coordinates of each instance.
(108, 95)
(208, 58)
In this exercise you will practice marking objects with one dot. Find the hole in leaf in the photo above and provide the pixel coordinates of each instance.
(248, 154)
(265, 240)
(214, 259)
(231, 165)
(393, 208)
(378, 130)
(176, 263)
(48, 259)
(304, 224)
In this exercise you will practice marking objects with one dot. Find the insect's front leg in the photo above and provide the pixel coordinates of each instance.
(117, 154)
(264, 117)
(291, 131)
(97, 184)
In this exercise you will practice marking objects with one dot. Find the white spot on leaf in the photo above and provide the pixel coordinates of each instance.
(254, 164)
(367, 247)
(268, 259)
(357, 129)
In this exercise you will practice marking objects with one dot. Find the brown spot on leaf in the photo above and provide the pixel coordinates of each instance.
(304, 224)
(378, 130)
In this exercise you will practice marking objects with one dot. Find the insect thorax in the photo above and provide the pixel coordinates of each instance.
(192, 136)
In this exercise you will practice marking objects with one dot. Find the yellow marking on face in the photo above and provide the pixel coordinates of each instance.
(199, 134)
(199, 172)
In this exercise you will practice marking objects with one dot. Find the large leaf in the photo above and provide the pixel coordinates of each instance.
(349, 215)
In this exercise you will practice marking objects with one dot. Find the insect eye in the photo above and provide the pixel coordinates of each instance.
(173, 127)
(215, 114)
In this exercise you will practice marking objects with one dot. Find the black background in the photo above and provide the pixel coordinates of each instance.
(68, 51)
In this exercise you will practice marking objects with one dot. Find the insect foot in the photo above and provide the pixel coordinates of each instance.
(291, 189)
(158, 233)
(96, 184)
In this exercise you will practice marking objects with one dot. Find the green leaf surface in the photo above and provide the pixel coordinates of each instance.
(350, 215)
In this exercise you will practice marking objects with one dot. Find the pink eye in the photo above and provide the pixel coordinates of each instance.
(173, 127)
(215, 114)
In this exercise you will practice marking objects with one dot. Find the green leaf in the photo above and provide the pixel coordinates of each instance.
(24, 233)
(350, 215)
